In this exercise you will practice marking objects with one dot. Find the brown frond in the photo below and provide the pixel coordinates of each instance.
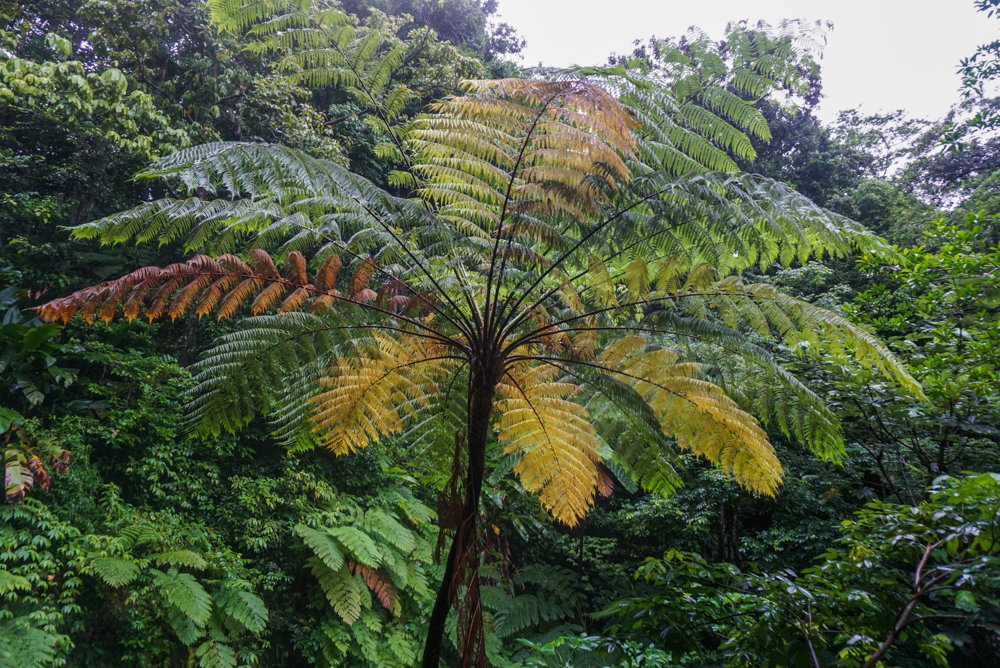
(295, 268)
(366, 296)
(605, 481)
(268, 297)
(238, 296)
(378, 581)
(326, 277)
(181, 300)
(363, 274)
(214, 293)
(221, 285)
(262, 263)
(294, 301)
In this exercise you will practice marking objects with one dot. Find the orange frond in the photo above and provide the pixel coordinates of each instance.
(295, 268)
(378, 581)
(267, 297)
(294, 301)
(238, 296)
(364, 272)
(326, 277)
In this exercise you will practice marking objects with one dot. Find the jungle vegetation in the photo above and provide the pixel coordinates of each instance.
(334, 336)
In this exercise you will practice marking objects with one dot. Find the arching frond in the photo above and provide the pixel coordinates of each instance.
(558, 446)
(366, 396)
(514, 149)
(699, 414)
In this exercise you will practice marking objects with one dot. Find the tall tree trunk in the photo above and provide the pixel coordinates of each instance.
(480, 408)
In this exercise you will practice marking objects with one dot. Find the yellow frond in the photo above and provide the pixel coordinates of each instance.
(516, 147)
(368, 396)
(557, 444)
(699, 414)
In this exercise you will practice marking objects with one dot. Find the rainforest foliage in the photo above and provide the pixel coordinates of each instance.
(333, 336)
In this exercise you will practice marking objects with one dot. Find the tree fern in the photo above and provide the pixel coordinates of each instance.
(551, 280)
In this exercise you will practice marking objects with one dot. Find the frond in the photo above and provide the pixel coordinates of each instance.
(342, 589)
(698, 414)
(801, 326)
(240, 608)
(114, 571)
(215, 654)
(506, 146)
(23, 645)
(181, 558)
(365, 397)
(557, 445)
(186, 594)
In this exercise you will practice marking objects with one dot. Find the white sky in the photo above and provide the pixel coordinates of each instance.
(882, 54)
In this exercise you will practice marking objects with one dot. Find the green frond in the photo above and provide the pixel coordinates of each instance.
(11, 583)
(25, 646)
(241, 609)
(342, 589)
(362, 547)
(115, 571)
(185, 594)
(214, 654)
(324, 545)
(181, 558)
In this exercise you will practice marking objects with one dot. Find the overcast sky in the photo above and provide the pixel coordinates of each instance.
(882, 55)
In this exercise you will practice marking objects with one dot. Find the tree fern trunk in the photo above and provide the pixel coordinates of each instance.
(480, 408)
